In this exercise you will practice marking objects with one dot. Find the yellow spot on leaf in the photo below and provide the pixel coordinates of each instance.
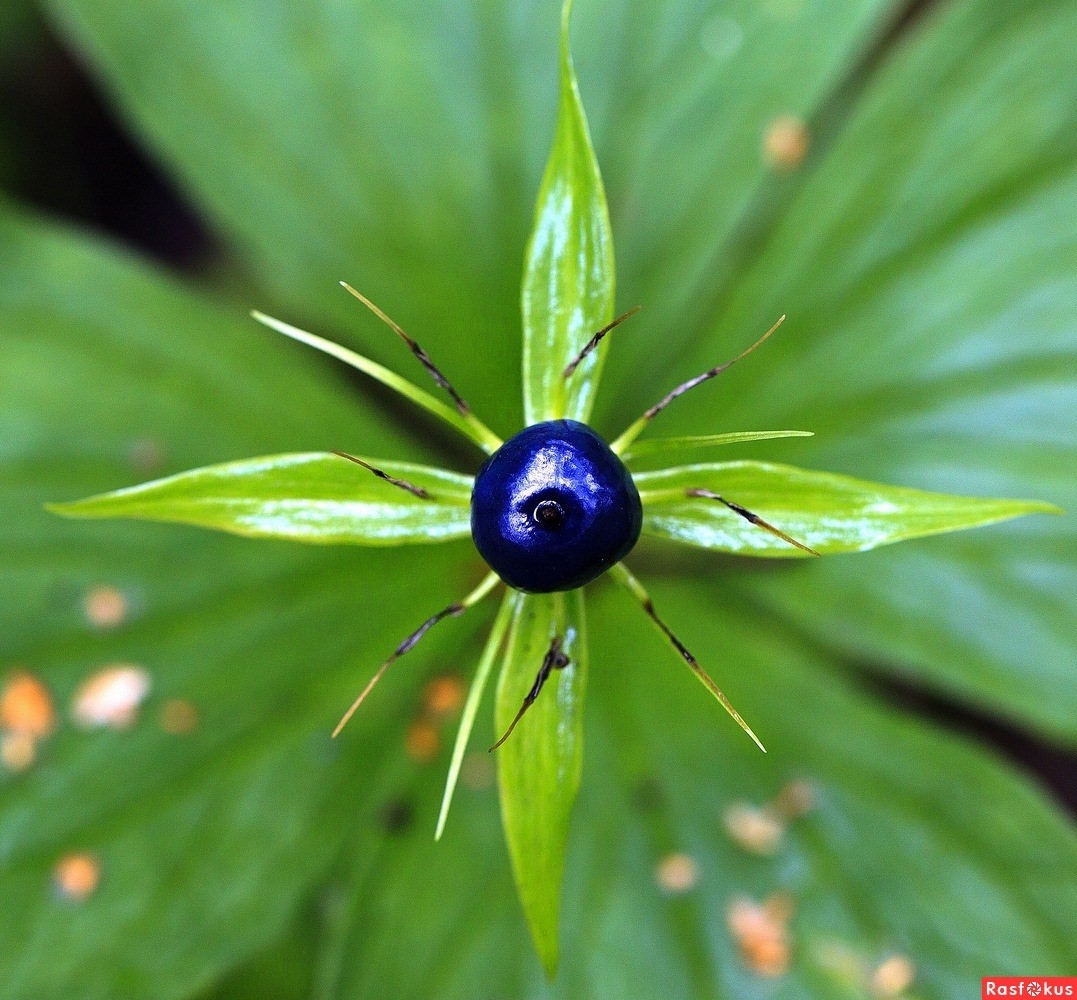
(893, 976)
(786, 142)
(105, 607)
(756, 830)
(76, 876)
(18, 751)
(677, 874)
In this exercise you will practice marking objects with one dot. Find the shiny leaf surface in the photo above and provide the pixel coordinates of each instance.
(568, 282)
(888, 802)
(926, 268)
(827, 512)
(315, 497)
(925, 259)
(490, 655)
(656, 448)
(282, 121)
(540, 764)
(208, 840)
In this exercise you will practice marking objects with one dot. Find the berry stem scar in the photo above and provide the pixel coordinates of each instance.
(418, 491)
(634, 431)
(554, 659)
(452, 611)
(622, 576)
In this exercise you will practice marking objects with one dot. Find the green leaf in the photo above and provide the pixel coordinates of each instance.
(109, 369)
(284, 970)
(540, 764)
(926, 265)
(315, 497)
(909, 846)
(679, 95)
(825, 511)
(931, 259)
(623, 577)
(568, 282)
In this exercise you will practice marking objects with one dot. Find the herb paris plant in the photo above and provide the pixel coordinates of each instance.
(748, 508)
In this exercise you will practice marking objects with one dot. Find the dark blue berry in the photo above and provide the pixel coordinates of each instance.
(553, 508)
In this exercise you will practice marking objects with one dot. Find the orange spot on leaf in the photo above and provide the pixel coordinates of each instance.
(422, 742)
(762, 934)
(443, 696)
(26, 706)
(76, 876)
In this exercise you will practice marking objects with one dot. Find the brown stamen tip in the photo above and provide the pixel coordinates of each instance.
(596, 339)
(752, 518)
(403, 484)
(452, 611)
(413, 346)
(555, 659)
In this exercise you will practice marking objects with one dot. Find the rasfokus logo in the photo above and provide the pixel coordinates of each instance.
(1038, 987)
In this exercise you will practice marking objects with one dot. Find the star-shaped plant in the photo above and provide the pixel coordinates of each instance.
(897, 175)
(551, 510)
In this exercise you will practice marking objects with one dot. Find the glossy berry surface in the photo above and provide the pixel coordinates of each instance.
(553, 508)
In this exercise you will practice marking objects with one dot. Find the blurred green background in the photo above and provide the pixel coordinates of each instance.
(901, 179)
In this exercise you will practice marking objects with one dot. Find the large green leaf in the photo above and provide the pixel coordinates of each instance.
(540, 764)
(568, 282)
(911, 848)
(932, 341)
(827, 512)
(280, 118)
(207, 842)
(312, 497)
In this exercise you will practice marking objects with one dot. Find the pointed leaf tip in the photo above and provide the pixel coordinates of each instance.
(539, 768)
(568, 282)
(308, 497)
(465, 423)
(471, 706)
(827, 512)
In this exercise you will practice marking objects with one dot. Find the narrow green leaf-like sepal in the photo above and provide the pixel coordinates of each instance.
(657, 447)
(316, 497)
(568, 281)
(471, 706)
(828, 512)
(466, 423)
(539, 765)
